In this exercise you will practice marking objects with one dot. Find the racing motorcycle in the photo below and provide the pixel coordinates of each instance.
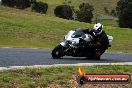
(74, 45)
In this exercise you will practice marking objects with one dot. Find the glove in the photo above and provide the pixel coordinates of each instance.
(98, 44)
(92, 45)
(97, 54)
(81, 40)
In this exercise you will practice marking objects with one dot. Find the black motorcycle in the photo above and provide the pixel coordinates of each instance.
(76, 44)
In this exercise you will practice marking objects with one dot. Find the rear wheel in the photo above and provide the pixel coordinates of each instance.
(58, 52)
(96, 58)
(92, 58)
(89, 57)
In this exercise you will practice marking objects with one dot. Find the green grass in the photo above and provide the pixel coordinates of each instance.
(27, 29)
(108, 22)
(97, 4)
(41, 77)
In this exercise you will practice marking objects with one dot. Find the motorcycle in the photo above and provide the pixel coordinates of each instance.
(75, 45)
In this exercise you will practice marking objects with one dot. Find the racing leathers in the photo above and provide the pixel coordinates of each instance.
(99, 43)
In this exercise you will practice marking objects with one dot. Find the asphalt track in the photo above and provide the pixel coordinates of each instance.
(29, 57)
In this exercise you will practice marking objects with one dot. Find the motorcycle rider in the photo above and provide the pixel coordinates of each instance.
(100, 40)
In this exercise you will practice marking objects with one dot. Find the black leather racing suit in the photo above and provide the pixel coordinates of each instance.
(99, 43)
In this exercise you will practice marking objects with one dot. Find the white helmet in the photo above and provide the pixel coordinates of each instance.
(98, 28)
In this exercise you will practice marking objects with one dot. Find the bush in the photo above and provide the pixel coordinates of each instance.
(39, 7)
(84, 14)
(64, 11)
(20, 4)
(124, 11)
(10, 3)
(113, 12)
(106, 10)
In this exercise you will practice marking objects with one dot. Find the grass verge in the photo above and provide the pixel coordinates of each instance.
(59, 76)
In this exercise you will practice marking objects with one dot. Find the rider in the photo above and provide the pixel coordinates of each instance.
(100, 40)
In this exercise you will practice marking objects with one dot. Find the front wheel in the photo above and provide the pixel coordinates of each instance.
(58, 52)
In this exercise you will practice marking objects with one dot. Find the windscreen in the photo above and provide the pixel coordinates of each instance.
(78, 33)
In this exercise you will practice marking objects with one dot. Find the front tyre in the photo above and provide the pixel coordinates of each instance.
(58, 52)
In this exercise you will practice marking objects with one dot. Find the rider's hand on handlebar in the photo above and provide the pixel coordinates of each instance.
(81, 40)
(91, 45)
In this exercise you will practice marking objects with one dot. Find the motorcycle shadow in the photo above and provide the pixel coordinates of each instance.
(79, 58)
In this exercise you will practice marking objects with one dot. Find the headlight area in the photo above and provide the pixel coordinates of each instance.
(73, 42)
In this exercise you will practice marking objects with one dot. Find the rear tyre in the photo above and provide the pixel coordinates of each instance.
(96, 58)
(58, 52)
(91, 57)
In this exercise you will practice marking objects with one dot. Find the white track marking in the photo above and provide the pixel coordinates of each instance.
(62, 65)
(6, 47)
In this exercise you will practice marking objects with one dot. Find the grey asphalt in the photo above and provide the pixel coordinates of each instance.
(28, 57)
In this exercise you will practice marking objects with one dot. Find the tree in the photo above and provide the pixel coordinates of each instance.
(39, 7)
(84, 14)
(106, 10)
(113, 12)
(22, 4)
(9, 3)
(19, 4)
(124, 11)
(64, 11)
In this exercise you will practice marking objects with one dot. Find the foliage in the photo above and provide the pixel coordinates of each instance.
(113, 12)
(84, 14)
(64, 11)
(39, 7)
(20, 4)
(124, 10)
(106, 10)
(9, 3)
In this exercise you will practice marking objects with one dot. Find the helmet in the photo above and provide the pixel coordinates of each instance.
(98, 28)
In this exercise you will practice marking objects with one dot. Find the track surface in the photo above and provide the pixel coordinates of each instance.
(26, 57)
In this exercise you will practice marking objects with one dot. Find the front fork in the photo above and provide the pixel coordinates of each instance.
(63, 44)
(67, 47)
(69, 50)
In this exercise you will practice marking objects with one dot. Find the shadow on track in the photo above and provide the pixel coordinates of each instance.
(78, 59)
